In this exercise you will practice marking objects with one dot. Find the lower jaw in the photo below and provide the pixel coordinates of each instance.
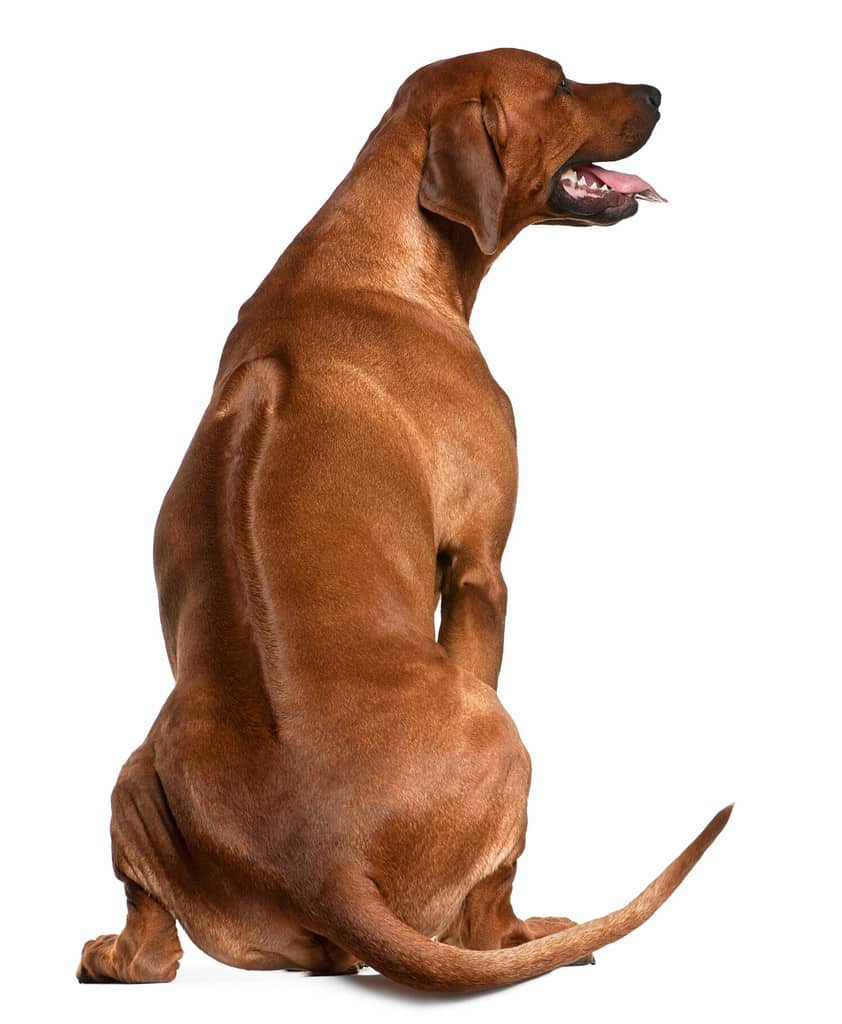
(604, 209)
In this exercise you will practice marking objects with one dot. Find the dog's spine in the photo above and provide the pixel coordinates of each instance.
(362, 923)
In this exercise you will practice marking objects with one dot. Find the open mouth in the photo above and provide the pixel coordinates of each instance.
(588, 194)
(588, 181)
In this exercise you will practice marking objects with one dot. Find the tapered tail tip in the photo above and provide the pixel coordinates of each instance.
(719, 821)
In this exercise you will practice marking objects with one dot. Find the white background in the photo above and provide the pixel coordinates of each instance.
(675, 564)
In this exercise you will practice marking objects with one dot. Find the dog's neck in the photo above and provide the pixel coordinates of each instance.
(391, 247)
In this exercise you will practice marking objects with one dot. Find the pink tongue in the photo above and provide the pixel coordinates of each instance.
(627, 183)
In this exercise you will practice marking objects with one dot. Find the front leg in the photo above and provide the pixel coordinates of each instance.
(473, 612)
(486, 919)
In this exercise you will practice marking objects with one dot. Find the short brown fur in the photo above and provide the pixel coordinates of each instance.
(327, 784)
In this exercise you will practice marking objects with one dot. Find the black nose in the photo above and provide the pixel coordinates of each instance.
(651, 96)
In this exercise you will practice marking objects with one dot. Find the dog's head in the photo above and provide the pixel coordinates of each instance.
(512, 141)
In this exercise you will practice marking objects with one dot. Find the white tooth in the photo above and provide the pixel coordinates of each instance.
(583, 182)
(604, 188)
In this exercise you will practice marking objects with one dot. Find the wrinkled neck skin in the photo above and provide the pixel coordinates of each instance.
(372, 234)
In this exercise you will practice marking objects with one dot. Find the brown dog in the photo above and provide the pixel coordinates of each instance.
(328, 785)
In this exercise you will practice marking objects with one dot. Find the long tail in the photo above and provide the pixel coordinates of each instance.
(362, 923)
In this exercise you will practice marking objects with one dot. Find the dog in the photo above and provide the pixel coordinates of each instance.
(329, 784)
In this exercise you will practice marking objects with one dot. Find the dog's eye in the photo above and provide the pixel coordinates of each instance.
(562, 87)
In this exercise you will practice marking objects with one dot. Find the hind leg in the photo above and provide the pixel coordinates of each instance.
(486, 919)
(146, 950)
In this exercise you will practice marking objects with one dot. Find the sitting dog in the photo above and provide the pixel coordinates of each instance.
(328, 784)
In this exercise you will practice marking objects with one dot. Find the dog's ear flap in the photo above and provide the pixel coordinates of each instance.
(463, 177)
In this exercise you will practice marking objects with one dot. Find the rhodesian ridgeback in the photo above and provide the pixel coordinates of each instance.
(329, 784)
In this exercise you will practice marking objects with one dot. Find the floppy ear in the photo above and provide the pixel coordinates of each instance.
(463, 177)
